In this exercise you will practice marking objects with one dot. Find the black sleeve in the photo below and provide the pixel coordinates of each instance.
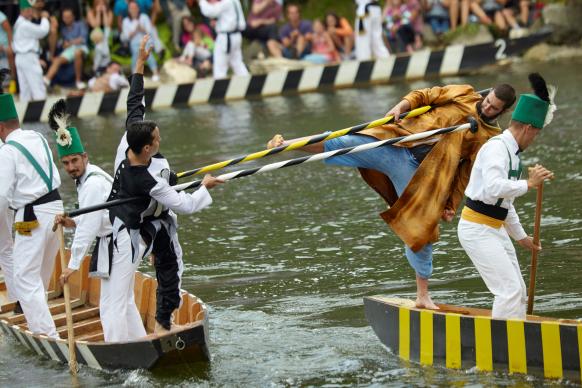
(135, 100)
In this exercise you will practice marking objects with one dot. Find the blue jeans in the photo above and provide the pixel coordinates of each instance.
(398, 164)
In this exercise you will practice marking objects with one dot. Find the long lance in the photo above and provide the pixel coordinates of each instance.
(472, 125)
(302, 143)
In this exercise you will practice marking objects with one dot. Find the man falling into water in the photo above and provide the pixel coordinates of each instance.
(422, 182)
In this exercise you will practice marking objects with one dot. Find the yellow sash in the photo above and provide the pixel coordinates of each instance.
(478, 218)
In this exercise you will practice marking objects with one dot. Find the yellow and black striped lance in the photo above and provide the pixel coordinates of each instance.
(302, 143)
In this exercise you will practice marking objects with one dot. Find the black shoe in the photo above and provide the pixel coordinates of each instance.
(18, 309)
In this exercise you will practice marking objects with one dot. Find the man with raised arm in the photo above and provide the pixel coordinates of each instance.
(422, 181)
(29, 184)
(142, 171)
(120, 317)
(489, 217)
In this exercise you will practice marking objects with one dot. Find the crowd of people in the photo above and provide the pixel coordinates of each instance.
(77, 45)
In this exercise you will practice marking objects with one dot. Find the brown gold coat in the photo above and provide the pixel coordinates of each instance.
(442, 177)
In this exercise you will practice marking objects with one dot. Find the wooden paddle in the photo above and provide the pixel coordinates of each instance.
(69, 313)
(534, 253)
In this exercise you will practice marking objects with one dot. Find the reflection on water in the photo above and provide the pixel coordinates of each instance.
(283, 259)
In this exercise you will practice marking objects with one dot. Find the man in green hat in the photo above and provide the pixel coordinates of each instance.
(26, 50)
(120, 317)
(489, 218)
(30, 182)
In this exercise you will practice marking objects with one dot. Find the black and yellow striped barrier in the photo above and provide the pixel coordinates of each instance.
(459, 337)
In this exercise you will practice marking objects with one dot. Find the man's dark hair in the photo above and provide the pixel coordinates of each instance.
(140, 134)
(505, 93)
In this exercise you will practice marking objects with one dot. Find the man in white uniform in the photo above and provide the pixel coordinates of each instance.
(228, 47)
(30, 182)
(369, 43)
(120, 317)
(489, 217)
(26, 50)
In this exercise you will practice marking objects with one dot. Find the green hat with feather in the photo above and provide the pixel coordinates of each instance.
(67, 138)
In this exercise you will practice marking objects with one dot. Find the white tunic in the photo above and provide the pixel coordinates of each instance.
(92, 191)
(489, 179)
(228, 12)
(27, 35)
(21, 184)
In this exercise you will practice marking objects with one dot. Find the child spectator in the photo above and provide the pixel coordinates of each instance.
(135, 26)
(197, 54)
(296, 35)
(437, 15)
(368, 39)
(341, 32)
(74, 44)
(323, 50)
(399, 29)
(110, 81)
(416, 21)
(6, 49)
(188, 27)
(262, 25)
(101, 54)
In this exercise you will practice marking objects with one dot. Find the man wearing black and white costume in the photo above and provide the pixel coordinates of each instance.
(142, 171)
(120, 317)
(369, 43)
(29, 183)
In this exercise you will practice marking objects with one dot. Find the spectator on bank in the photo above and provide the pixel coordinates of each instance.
(111, 80)
(197, 54)
(486, 11)
(323, 49)
(135, 26)
(6, 49)
(262, 25)
(100, 15)
(73, 34)
(101, 53)
(416, 20)
(188, 27)
(175, 11)
(341, 32)
(149, 7)
(436, 14)
(509, 13)
(368, 36)
(296, 35)
(399, 29)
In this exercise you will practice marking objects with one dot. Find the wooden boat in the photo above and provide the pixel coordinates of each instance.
(462, 337)
(187, 344)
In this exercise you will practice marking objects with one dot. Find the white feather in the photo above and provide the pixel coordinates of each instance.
(552, 90)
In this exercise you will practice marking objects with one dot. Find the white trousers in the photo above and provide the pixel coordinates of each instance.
(370, 43)
(493, 254)
(30, 81)
(119, 314)
(222, 59)
(6, 246)
(33, 265)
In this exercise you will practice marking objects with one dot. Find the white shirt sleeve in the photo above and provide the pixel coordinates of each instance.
(181, 202)
(128, 28)
(513, 226)
(494, 162)
(37, 31)
(88, 225)
(212, 10)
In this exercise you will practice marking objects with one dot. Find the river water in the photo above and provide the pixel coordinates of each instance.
(283, 259)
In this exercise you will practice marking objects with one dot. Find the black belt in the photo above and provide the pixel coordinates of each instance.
(497, 212)
(29, 220)
(228, 34)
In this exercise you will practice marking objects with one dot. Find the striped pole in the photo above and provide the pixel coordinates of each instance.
(472, 125)
(302, 143)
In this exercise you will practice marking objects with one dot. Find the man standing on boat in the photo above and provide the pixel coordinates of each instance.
(424, 181)
(142, 171)
(29, 183)
(489, 218)
(120, 317)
